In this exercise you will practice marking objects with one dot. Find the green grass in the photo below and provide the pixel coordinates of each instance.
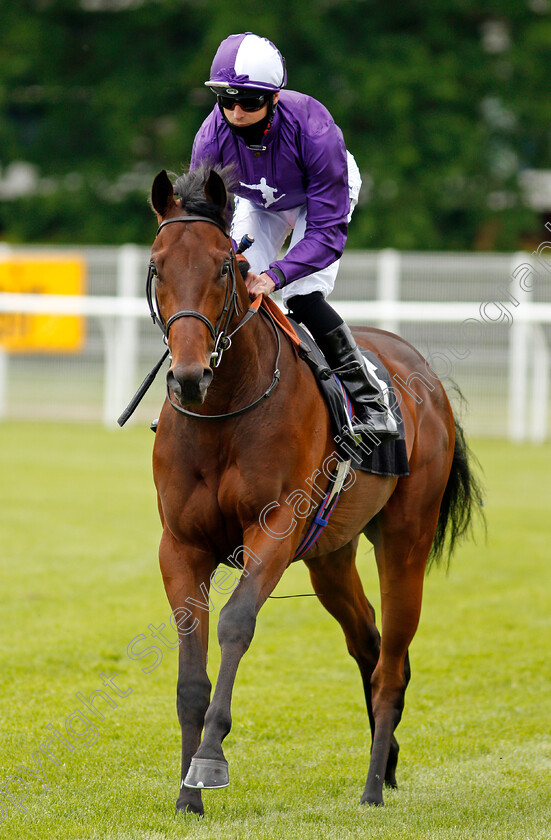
(78, 542)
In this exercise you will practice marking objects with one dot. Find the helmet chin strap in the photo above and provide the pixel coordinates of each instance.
(272, 107)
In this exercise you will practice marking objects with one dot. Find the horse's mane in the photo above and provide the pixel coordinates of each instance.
(190, 189)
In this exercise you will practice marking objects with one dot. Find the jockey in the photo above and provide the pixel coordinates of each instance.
(294, 176)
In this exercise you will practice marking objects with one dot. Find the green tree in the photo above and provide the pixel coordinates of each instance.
(443, 102)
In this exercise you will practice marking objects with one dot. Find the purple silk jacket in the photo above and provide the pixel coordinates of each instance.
(304, 164)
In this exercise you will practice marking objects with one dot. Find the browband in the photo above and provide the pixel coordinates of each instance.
(192, 219)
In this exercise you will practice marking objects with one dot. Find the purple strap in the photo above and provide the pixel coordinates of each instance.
(319, 522)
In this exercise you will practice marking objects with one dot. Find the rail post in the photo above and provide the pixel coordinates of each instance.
(121, 340)
(388, 284)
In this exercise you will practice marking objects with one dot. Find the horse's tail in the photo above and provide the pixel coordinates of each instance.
(462, 500)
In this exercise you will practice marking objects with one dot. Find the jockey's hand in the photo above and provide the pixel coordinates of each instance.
(259, 284)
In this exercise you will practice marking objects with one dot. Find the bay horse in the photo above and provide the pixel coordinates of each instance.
(243, 428)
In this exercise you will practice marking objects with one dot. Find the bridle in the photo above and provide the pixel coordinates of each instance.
(219, 332)
(231, 304)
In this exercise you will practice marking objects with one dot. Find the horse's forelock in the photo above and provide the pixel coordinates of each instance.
(190, 189)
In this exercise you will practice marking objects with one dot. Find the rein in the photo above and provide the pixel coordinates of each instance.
(219, 333)
(273, 385)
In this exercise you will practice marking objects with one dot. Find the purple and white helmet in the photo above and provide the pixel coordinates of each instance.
(247, 61)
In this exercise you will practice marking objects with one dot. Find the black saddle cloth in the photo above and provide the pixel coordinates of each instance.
(389, 458)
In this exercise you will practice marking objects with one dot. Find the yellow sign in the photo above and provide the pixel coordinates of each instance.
(43, 275)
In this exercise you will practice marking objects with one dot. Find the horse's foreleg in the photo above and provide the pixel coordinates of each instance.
(186, 578)
(236, 627)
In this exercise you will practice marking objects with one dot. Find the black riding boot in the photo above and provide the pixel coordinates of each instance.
(344, 357)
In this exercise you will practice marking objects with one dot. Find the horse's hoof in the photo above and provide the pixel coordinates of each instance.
(373, 799)
(189, 808)
(207, 773)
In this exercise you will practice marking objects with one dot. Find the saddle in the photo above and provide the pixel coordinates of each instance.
(389, 458)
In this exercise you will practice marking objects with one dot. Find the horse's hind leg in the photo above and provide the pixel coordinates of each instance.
(401, 546)
(336, 580)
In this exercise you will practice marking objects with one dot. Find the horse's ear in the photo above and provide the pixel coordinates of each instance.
(162, 193)
(215, 190)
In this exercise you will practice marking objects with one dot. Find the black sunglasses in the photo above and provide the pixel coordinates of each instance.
(247, 103)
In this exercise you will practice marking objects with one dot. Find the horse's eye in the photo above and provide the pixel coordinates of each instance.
(225, 269)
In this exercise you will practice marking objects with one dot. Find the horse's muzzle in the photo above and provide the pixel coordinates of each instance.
(189, 384)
